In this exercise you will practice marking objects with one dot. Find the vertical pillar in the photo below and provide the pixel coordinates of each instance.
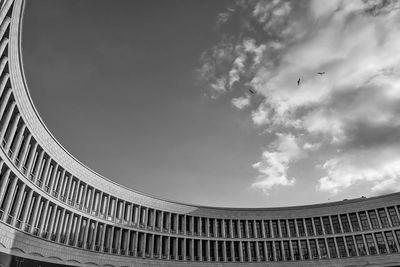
(77, 232)
(7, 120)
(61, 224)
(35, 211)
(10, 196)
(18, 200)
(93, 240)
(38, 166)
(18, 143)
(27, 205)
(31, 158)
(69, 228)
(52, 219)
(12, 132)
(4, 183)
(24, 149)
(42, 221)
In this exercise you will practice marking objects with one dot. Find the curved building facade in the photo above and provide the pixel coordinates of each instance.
(54, 211)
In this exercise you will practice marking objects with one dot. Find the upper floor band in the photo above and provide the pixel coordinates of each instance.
(47, 194)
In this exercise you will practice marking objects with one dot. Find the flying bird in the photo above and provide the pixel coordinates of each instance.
(251, 91)
(321, 73)
(298, 81)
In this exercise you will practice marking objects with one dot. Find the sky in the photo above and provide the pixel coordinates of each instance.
(223, 103)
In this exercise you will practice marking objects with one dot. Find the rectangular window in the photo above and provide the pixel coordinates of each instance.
(251, 230)
(172, 247)
(188, 241)
(318, 226)
(173, 221)
(203, 226)
(278, 251)
(397, 235)
(351, 246)
(374, 219)
(336, 224)
(258, 229)
(364, 220)
(354, 222)
(196, 249)
(242, 229)
(275, 228)
(292, 228)
(253, 251)
(300, 227)
(296, 250)
(236, 248)
(195, 225)
(210, 226)
(327, 225)
(284, 228)
(212, 250)
(322, 248)
(270, 251)
(393, 216)
(227, 228)
(244, 251)
(220, 253)
(261, 251)
(381, 243)
(309, 226)
(187, 223)
(360, 245)
(370, 244)
(345, 223)
(235, 228)
(219, 227)
(332, 248)
(204, 250)
(341, 247)
(267, 229)
(391, 242)
(182, 221)
(313, 248)
(286, 248)
(228, 251)
(383, 218)
(304, 249)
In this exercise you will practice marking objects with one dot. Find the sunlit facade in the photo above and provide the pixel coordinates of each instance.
(54, 211)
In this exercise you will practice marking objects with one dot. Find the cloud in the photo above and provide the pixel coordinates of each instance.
(353, 108)
(311, 147)
(260, 116)
(241, 102)
(274, 164)
(380, 167)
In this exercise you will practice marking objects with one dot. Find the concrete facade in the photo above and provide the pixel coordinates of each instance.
(55, 210)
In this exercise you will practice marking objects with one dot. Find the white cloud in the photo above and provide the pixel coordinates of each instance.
(274, 164)
(353, 108)
(380, 167)
(241, 102)
(219, 85)
(260, 116)
(311, 147)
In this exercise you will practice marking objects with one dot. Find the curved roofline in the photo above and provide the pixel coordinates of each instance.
(318, 205)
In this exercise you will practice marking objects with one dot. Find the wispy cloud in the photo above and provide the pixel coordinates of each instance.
(352, 108)
(241, 102)
(273, 165)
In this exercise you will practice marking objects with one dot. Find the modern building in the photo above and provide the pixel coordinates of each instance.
(54, 211)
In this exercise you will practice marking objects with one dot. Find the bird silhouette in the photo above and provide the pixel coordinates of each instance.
(251, 91)
(298, 81)
(321, 73)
